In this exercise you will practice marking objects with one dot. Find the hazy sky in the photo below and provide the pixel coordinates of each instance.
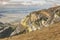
(26, 2)
(56, 1)
(40, 1)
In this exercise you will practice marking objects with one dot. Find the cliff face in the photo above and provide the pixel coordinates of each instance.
(41, 18)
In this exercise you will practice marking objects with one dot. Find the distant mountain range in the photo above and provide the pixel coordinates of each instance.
(1, 15)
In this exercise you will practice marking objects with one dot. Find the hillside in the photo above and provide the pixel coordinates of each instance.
(41, 18)
(34, 26)
(50, 33)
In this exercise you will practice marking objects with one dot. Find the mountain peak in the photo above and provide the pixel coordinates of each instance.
(41, 18)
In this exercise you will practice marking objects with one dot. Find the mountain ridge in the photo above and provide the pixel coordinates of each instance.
(36, 20)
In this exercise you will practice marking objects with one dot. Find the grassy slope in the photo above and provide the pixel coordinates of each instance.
(49, 33)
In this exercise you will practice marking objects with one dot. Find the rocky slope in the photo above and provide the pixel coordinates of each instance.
(36, 20)
(47, 33)
(41, 18)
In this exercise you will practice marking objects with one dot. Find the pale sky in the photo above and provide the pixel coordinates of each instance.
(26, 2)
(56, 1)
(40, 1)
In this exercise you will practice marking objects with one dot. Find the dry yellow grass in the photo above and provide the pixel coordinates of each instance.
(49, 33)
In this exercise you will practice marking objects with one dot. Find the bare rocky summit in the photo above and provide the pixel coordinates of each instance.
(41, 18)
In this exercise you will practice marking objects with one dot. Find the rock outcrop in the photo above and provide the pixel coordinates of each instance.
(41, 18)
(5, 30)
